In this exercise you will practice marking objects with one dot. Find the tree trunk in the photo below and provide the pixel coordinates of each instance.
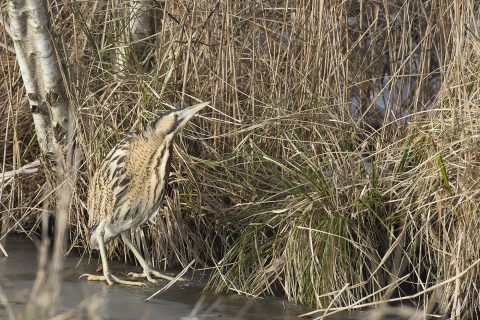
(141, 27)
(54, 122)
(134, 31)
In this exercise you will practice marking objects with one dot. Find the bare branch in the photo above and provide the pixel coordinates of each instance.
(31, 167)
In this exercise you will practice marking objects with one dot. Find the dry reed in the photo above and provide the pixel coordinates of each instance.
(338, 165)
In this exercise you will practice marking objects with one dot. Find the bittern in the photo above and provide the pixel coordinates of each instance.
(129, 188)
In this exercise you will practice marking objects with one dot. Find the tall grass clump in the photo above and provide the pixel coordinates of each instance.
(338, 165)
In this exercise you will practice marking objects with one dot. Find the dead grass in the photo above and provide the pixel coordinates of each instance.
(339, 165)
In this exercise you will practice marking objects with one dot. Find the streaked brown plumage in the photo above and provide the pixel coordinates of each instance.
(129, 187)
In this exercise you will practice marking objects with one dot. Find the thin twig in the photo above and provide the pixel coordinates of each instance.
(169, 284)
(3, 250)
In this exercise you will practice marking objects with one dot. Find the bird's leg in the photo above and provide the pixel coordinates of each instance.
(147, 271)
(107, 276)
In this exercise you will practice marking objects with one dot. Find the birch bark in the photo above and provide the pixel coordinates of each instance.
(29, 27)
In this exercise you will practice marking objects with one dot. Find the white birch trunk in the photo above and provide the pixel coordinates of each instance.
(141, 27)
(42, 79)
(54, 124)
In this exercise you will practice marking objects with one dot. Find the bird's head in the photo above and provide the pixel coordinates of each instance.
(169, 123)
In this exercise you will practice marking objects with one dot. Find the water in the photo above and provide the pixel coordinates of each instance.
(184, 299)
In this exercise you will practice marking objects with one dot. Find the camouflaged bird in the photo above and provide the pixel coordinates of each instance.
(129, 187)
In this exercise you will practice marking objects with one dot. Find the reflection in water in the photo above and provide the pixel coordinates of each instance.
(183, 300)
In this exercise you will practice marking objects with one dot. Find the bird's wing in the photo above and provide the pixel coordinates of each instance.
(110, 185)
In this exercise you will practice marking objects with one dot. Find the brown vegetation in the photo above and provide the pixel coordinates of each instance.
(297, 181)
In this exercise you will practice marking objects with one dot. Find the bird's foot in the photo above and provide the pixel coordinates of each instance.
(111, 279)
(147, 273)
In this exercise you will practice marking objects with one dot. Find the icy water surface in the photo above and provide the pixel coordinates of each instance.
(17, 273)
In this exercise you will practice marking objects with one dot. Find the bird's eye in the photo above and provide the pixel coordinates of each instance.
(176, 116)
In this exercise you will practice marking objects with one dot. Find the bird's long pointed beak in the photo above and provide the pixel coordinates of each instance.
(187, 113)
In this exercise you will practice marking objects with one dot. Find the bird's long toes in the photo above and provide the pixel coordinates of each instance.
(160, 275)
(95, 277)
(128, 283)
(149, 273)
(135, 275)
(110, 279)
(164, 276)
(151, 280)
(145, 275)
(92, 277)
